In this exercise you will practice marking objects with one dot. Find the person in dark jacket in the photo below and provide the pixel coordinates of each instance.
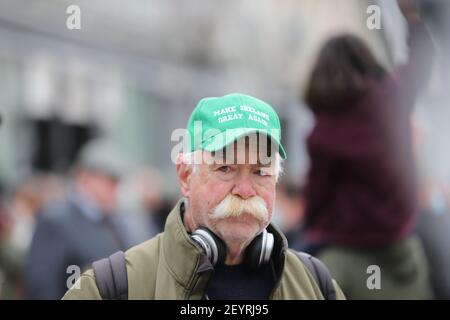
(83, 227)
(361, 192)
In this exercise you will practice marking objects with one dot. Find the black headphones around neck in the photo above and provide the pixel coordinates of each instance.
(257, 254)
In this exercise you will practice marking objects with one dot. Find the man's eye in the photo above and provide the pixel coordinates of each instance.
(262, 173)
(225, 169)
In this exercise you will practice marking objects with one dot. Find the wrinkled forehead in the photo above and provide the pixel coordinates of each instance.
(251, 149)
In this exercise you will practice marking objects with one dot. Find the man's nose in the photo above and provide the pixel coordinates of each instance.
(243, 187)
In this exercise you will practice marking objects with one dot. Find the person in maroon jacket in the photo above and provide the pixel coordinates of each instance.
(361, 189)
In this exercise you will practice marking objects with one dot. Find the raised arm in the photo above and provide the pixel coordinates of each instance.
(417, 71)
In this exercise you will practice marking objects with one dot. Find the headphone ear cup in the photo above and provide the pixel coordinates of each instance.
(221, 250)
(259, 250)
(213, 247)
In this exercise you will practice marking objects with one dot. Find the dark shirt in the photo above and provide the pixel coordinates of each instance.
(239, 283)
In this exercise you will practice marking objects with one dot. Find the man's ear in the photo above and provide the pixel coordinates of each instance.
(184, 172)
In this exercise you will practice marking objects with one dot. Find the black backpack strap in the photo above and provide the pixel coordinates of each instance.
(111, 277)
(320, 273)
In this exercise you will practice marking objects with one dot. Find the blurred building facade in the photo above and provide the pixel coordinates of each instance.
(135, 70)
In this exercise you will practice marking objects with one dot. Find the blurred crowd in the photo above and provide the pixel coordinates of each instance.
(367, 198)
(50, 222)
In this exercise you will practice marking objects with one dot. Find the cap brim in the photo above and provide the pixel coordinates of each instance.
(223, 139)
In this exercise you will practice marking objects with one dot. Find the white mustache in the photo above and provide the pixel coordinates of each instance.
(234, 206)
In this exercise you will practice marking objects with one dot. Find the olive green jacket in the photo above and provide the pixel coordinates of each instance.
(171, 266)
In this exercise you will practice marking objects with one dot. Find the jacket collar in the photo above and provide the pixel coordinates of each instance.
(185, 259)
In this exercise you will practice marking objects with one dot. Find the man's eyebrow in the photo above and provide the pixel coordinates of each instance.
(214, 164)
(266, 165)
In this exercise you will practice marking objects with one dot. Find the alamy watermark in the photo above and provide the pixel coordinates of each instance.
(73, 21)
(373, 21)
(374, 280)
(74, 272)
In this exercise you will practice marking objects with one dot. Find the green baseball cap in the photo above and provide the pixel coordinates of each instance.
(217, 122)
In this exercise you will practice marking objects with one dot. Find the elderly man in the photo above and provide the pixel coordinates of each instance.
(218, 242)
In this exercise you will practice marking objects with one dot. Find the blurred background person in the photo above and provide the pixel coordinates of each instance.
(433, 221)
(289, 211)
(20, 206)
(361, 192)
(85, 226)
(10, 256)
(142, 197)
(433, 225)
(26, 199)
